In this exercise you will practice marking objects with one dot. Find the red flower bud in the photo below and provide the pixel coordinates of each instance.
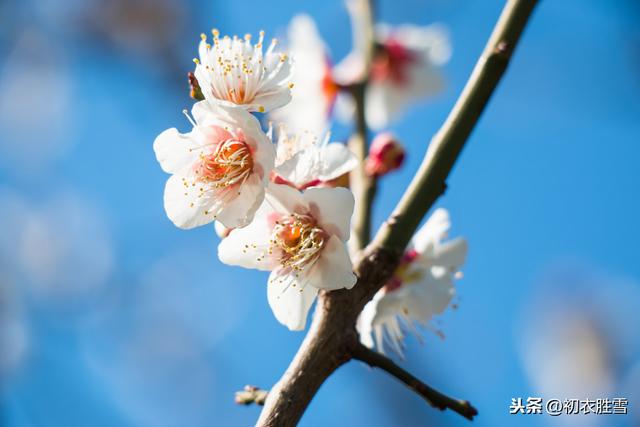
(386, 154)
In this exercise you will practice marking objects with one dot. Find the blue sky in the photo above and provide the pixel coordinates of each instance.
(546, 192)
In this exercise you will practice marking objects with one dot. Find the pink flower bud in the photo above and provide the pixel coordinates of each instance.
(386, 154)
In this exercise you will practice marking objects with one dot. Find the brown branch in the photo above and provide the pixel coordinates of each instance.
(332, 339)
(431, 395)
(362, 185)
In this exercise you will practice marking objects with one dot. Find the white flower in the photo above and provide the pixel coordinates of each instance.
(314, 92)
(300, 238)
(304, 161)
(219, 169)
(235, 72)
(421, 287)
(405, 69)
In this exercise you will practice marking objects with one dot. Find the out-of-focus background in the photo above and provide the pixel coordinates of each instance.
(111, 316)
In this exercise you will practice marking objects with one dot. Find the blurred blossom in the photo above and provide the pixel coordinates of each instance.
(60, 247)
(405, 69)
(13, 331)
(579, 338)
(314, 91)
(421, 287)
(34, 104)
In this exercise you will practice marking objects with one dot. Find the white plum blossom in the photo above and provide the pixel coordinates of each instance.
(421, 287)
(233, 71)
(219, 169)
(300, 237)
(314, 93)
(303, 160)
(405, 68)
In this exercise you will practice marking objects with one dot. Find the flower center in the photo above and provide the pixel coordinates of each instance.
(230, 163)
(392, 61)
(404, 274)
(299, 239)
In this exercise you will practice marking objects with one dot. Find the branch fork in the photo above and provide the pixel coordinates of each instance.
(332, 339)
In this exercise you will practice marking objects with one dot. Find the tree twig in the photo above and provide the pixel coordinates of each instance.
(445, 147)
(332, 338)
(431, 395)
(362, 185)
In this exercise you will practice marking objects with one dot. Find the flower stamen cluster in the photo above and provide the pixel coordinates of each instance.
(300, 241)
(230, 163)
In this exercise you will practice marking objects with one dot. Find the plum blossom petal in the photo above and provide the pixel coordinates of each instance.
(183, 204)
(332, 208)
(451, 254)
(337, 161)
(434, 230)
(248, 247)
(241, 210)
(290, 304)
(175, 151)
(233, 71)
(333, 269)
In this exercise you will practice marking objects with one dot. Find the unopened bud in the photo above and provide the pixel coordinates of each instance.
(221, 230)
(195, 90)
(386, 154)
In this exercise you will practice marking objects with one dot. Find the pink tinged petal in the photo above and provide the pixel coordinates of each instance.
(184, 203)
(263, 151)
(451, 254)
(290, 304)
(285, 199)
(332, 208)
(241, 125)
(175, 151)
(248, 247)
(240, 210)
(333, 269)
(337, 160)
